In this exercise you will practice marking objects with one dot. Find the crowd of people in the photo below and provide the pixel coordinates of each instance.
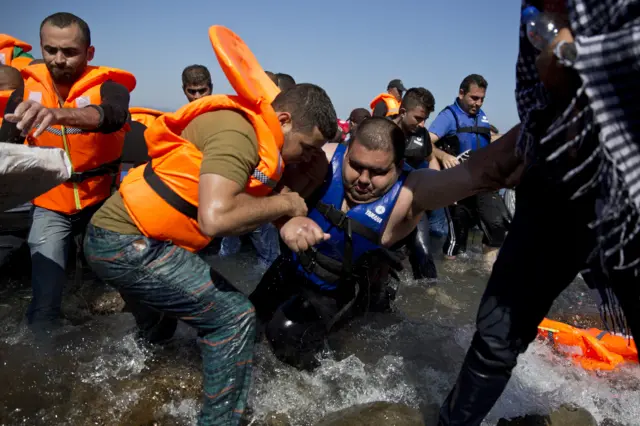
(329, 205)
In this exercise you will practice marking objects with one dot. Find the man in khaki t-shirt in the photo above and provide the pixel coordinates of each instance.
(162, 282)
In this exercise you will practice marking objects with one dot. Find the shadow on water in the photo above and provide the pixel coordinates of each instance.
(96, 373)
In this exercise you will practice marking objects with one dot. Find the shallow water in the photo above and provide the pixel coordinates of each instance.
(96, 373)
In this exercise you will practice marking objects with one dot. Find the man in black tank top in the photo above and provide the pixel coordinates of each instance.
(418, 103)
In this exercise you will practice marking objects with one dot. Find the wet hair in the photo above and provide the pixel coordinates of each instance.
(381, 134)
(65, 20)
(10, 78)
(272, 76)
(196, 74)
(418, 97)
(310, 107)
(494, 129)
(285, 81)
(476, 79)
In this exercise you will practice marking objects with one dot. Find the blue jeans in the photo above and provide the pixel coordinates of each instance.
(264, 239)
(438, 224)
(49, 239)
(163, 283)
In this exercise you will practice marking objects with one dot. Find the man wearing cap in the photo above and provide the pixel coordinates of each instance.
(386, 104)
(356, 117)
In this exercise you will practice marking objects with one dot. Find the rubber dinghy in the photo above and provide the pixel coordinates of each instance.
(592, 349)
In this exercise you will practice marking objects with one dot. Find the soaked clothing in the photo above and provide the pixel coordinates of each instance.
(230, 148)
(304, 295)
(527, 276)
(51, 232)
(265, 240)
(572, 183)
(418, 149)
(298, 316)
(163, 283)
(487, 210)
(50, 239)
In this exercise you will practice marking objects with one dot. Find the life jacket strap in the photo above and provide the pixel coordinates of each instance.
(168, 194)
(110, 168)
(339, 219)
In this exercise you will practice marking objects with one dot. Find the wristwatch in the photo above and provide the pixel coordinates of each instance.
(566, 53)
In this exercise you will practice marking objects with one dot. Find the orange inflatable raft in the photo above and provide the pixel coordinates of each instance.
(592, 349)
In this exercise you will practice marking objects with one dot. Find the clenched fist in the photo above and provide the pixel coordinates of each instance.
(301, 233)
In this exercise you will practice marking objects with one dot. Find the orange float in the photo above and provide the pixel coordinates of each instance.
(592, 349)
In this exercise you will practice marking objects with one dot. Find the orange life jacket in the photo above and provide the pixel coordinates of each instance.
(592, 349)
(393, 106)
(162, 196)
(7, 43)
(94, 156)
(145, 116)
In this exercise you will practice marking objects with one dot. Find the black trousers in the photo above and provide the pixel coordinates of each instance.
(548, 244)
(297, 316)
(486, 210)
(420, 255)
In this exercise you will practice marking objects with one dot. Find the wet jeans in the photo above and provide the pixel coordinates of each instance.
(264, 239)
(438, 225)
(163, 283)
(49, 240)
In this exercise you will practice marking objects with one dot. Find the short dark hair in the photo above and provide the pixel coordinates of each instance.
(285, 81)
(476, 79)
(381, 134)
(272, 76)
(196, 74)
(309, 106)
(418, 97)
(10, 78)
(64, 20)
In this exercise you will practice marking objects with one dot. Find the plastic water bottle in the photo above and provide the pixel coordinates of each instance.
(541, 30)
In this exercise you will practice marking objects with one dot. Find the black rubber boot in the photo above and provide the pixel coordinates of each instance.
(478, 388)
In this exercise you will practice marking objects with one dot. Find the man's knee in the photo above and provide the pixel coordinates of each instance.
(493, 352)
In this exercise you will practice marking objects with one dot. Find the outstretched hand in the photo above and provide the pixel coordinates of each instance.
(29, 115)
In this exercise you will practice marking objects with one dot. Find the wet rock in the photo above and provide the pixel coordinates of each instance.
(564, 416)
(374, 413)
(107, 303)
(610, 422)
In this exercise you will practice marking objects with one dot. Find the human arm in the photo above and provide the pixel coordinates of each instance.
(444, 125)
(229, 147)
(493, 167)
(224, 208)
(108, 117)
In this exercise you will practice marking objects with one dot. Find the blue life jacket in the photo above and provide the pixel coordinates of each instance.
(353, 234)
(472, 133)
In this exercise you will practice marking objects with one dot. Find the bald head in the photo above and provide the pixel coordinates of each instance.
(10, 78)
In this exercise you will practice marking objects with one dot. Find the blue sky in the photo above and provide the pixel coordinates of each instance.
(350, 48)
